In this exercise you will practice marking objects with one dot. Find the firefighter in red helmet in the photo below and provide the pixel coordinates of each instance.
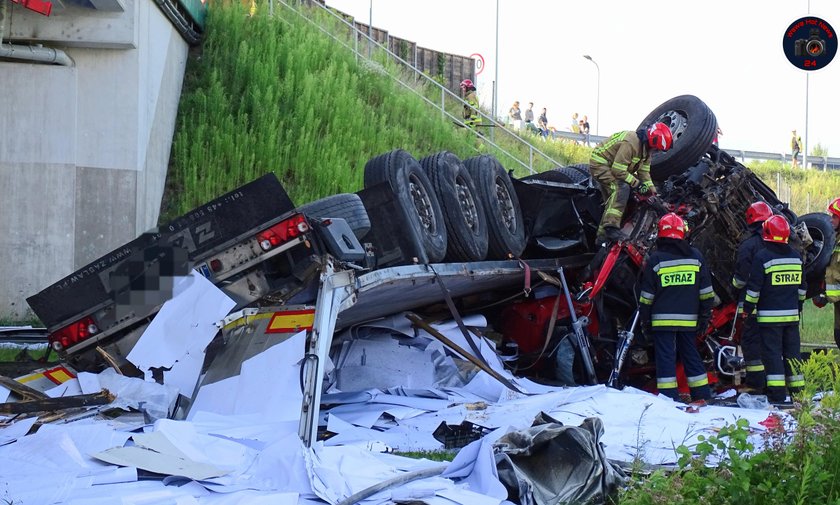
(622, 163)
(674, 306)
(756, 214)
(832, 272)
(775, 292)
(471, 107)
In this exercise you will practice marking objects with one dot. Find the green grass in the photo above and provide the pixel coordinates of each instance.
(817, 326)
(806, 191)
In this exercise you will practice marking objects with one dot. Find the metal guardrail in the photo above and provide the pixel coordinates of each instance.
(445, 94)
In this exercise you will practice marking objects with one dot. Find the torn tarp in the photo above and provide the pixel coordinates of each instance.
(549, 463)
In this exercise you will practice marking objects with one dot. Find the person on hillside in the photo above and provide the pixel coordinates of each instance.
(775, 292)
(542, 122)
(832, 272)
(471, 107)
(529, 118)
(795, 148)
(584, 129)
(621, 163)
(675, 306)
(756, 214)
(515, 115)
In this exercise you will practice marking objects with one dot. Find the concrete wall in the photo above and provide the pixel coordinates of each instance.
(84, 149)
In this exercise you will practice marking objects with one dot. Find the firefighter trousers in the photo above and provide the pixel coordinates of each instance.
(666, 344)
(751, 347)
(779, 345)
(614, 194)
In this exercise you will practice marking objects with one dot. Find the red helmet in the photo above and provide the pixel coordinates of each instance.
(671, 226)
(776, 229)
(834, 208)
(467, 83)
(659, 137)
(758, 211)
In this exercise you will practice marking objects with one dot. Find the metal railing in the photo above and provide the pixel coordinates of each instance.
(447, 97)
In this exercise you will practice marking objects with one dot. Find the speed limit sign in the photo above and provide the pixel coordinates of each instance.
(479, 62)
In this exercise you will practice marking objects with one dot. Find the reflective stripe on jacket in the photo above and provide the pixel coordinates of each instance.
(622, 157)
(832, 275)
(776, 287)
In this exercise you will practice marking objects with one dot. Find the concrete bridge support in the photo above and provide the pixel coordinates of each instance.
(84, 148)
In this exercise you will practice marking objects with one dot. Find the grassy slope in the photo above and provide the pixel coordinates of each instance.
(275, 94)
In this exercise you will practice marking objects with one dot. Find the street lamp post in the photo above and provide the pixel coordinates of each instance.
(598, 95)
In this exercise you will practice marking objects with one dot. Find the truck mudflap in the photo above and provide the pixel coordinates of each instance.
(197, 232)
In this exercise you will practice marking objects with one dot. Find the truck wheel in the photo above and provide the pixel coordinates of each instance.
(463, 212)
(505, 227)
(343, 205)
(818, 255)
(573, 174)
(693, 126)
(413, 191)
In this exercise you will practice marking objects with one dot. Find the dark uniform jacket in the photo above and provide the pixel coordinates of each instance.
(832, 275)
(776, 287)
(744, 258)
(676, 288)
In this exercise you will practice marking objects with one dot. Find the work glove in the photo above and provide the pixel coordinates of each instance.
(820, 300)
(647, 188)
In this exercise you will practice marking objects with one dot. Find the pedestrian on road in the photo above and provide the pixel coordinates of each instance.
(775, 292)
(756, 214)
(621, 163)
(795, 147)
(471, 107)
(675, 306)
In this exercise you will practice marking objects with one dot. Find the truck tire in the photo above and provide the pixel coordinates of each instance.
(565, 175)
(817, 256)
(343, 205)
(693, 126)
(505, 226)
(413, 191)
(463, 212)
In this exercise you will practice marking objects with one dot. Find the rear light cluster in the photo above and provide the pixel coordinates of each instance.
(74, 333)
(283, 232)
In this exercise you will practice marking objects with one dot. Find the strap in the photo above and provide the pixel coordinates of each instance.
(457, 316)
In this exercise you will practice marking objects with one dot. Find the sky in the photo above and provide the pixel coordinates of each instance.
(726, 52)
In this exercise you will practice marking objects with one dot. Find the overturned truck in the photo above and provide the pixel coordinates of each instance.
(444, 238)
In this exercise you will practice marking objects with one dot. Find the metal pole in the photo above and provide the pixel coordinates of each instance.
(496, 81)
(370, 29)
(805, 152)
(597, 95)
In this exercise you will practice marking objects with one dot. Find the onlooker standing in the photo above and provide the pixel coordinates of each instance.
(675, 305)
(776, 290)
(575, 127)
(529, 116)
(471, 107)
(584, 129)
(542, 122)
(515, 116)
(795, 147)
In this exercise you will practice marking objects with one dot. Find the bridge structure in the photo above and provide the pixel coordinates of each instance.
(90, 92)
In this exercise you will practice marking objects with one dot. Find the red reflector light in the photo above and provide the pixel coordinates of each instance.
(282, 232)
(216, 265)
(74, 333)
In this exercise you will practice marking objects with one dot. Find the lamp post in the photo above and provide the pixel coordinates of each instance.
(597, 96)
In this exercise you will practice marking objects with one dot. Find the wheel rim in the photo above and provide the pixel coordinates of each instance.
(422, 204)
(466, 204)
(676, 120)
(506, 208)
(816, 248)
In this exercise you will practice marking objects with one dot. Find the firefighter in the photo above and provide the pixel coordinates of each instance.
(832, 273)
(775, 291)
(756, 214)
(674, 306)
(622, 163)
(471, 107)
